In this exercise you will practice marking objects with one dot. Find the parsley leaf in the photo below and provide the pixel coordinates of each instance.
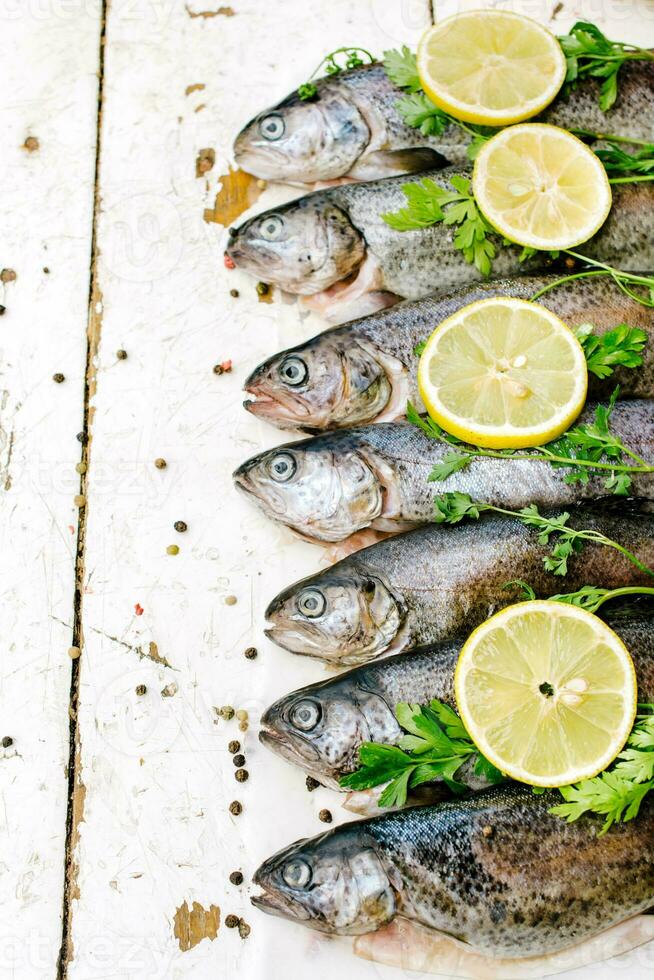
(401, 68)
(621, 346)
(418, 112)
(434, 747)
(428, 204)
(450, 508)
(617, 793)
(589, 52)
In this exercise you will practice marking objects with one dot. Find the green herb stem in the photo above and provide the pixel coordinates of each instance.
(618, 593)
(584, 535)
(637, 179)
(609, 137)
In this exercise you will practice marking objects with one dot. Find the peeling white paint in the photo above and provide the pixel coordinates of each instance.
(156, 830)
(49, 93)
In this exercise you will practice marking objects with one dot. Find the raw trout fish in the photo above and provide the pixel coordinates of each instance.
(436, 583)
(352, 128)
(365, 371)
(334, 247)
(376, 476)
(321, 727)
(496, 870)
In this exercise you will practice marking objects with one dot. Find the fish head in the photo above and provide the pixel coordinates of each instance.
(345, 616)
(334, 883)
(319, 492)
(303, 247)
(304, 141)
(324, 383)
(321, 727)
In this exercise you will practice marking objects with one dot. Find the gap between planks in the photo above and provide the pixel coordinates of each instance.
(76, 789)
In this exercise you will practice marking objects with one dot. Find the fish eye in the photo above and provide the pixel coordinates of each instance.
(297, 873)
(282, 467)
(311, 603)
(272, 128)
(305, 715)
(293, 371)
(271, 228)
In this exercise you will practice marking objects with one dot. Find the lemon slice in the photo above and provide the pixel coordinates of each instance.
(542, 187)
(503, 373)
(490, 66)
(547, 692)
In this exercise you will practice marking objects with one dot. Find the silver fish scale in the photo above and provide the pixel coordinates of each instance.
(397, 331)
(632, 115)
(413, 262)
(514, 483)
(447, 579)
(497, 870)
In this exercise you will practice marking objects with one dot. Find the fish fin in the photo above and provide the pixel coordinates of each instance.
(411, 946)
(350, 299)
(365, 802)
(392, 163)
(360, 539)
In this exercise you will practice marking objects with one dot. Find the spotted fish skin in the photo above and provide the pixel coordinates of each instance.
(495, 870)
(321, 727)
(438, 582)
(334, 248)
(353, 129)
(377, 476)
(366, 370)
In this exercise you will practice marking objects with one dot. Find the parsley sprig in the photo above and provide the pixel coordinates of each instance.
(555, 532)
(416, 108)
(588, 597)
(589, 53)
(616, 794)
(582, 449)
(428, 204)
(435, 747)
(334, 63)
(620, 347)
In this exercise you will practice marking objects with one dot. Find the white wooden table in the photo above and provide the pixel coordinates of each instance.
(116, 839)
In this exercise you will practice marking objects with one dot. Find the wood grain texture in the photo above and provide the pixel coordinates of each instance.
(48, 113)
(157, 831)
(162, 639)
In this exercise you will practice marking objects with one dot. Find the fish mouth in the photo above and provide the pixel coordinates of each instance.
(266, 404)
(274, 903)
(299, 642)
(292, 748)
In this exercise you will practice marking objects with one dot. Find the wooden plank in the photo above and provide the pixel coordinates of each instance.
(163, 640)
(157, 842)
(48, 122)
